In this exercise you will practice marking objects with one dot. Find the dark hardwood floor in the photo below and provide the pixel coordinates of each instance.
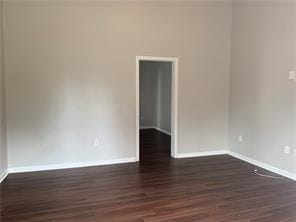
(207, 189)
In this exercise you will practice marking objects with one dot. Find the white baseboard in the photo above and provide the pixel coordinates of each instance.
(198, 154)
(147, 127)
(162, 130)
(3, 176)
(157, 128)
(243, 158)
(69, 165)
(263, 165)
(133, 159)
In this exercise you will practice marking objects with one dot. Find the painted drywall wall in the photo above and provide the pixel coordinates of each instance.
(70, 75)
(155, 95)
(294, 56)
(3, 148)
(164, 96)
(262, 99)
(148, 94)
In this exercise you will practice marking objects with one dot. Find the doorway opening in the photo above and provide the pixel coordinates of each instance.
(156, 111)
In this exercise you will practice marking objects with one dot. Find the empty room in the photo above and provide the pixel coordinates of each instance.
(147, 110)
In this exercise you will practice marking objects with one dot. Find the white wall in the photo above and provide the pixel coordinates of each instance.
(70, 75)
(164, 96)
(3, 148)
(262, 99)
(148, 94)
(155, 95)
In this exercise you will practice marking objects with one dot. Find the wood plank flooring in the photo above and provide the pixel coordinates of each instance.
(206, 189)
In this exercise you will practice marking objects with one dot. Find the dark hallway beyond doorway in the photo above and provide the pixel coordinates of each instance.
(154, 146)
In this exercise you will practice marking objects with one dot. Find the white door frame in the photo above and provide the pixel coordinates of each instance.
(174, 109)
